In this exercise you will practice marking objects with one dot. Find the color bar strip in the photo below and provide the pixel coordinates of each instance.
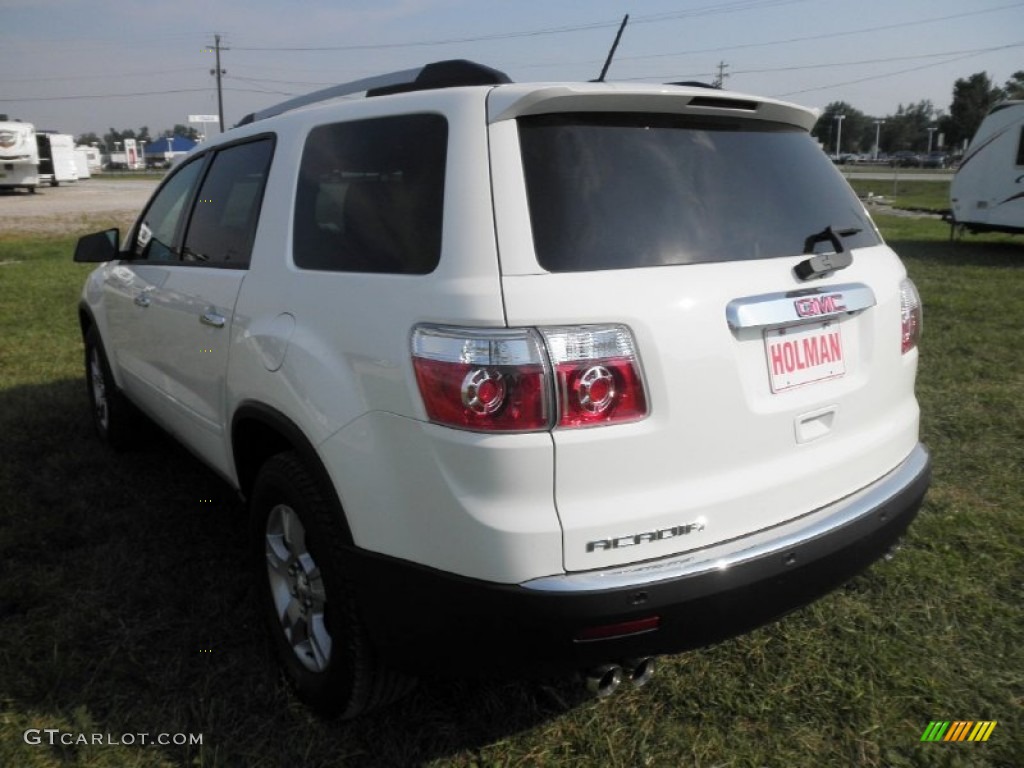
(959, 730)
(987, 732)
(935, 730)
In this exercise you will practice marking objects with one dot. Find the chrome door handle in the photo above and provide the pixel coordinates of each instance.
(142, 300)
(212, 319)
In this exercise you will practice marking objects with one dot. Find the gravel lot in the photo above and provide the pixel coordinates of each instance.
(77, 208)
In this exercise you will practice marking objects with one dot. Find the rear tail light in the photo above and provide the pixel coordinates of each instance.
(521, 380)
(911, 313)
(597, 375)
(493, 380)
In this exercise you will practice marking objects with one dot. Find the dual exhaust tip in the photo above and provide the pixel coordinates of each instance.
(604, 679)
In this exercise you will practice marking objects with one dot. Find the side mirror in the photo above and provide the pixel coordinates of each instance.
(98, 247)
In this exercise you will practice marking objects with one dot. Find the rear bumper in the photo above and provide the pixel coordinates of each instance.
(421, 619)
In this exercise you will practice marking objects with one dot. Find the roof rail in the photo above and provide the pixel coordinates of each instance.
(439, 74)
(696, 84)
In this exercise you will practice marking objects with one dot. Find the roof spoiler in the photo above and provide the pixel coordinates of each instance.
(440, 74)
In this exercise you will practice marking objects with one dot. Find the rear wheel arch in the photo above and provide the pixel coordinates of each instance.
(259, 432)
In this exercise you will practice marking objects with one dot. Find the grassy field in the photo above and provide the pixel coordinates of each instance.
(913, 195)
(125, 607)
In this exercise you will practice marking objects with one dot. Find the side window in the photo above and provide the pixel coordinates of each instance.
(227, 207)
(371, 196)
(1020, 148)
(159, 232)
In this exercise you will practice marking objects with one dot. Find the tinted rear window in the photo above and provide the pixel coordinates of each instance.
(621, 191)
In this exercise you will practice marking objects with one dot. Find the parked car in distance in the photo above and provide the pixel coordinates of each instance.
(850, 158)
(905, 159)
(935, 160)
(519, 378)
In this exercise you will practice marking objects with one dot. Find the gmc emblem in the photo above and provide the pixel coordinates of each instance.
(812, 306)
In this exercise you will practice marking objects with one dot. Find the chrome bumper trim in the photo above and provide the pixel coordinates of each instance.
(778, 540)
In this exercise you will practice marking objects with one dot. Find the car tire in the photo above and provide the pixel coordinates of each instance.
(310, 610)
(114, 418)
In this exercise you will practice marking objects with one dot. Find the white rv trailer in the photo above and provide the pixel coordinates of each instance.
(987, 193)
(56, 158)
(19, 156)
(82, 162)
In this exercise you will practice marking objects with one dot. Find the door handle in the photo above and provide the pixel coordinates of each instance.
(212, 319)
(142, 300)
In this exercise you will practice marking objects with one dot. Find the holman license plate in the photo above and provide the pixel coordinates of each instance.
(803, 354)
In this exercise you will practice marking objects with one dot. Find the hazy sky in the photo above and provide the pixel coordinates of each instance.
(129, 64)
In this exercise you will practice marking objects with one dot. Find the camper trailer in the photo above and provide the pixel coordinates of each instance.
(56, 158)
(82, 161)
(987, 193)
(19, 156)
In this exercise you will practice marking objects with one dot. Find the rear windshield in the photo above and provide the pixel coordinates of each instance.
(640, 190)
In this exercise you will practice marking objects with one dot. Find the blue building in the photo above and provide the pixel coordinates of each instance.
(163, 152)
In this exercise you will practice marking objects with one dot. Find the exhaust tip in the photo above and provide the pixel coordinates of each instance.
(641, 670)
(604, 680)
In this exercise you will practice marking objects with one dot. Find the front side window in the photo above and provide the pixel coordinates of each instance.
(614, 191)
(227, 208)
(159, 231)
(370, 196)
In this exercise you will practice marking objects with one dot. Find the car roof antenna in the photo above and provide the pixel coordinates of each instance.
(611, 53)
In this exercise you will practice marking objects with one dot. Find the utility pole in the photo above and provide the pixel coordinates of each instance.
(719, 81)
(218, 72)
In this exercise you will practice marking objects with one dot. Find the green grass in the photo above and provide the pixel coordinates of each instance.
(125, 605)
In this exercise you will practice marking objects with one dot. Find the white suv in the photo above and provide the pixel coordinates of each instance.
(520, 377)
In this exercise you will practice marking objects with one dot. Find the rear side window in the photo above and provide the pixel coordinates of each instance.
(371, 196)
(227, 208)
(621, 191)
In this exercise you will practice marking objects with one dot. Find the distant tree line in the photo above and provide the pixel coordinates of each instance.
(108, 142)
(908, 128)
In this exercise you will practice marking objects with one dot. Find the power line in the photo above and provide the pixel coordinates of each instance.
(258, 80)
(710, 10)
(832, 65)
(880, 61)
(264, 88)
(847, 33)
(117, 75)
(107, 95)
(879, 77)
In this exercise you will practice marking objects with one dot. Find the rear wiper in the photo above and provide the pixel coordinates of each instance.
(824, 264)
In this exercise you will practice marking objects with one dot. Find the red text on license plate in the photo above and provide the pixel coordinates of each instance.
(803, 354)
